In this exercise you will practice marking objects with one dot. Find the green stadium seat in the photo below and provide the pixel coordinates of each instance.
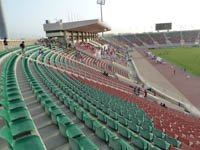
(147, 127)
(158, 133)
(122, 120)
(124, 131)
(82, 143)
(102, 133)
(32, 142)
(79, 113)
(139, 142)
(118, 144)
(73, 131)
(113, 115)
(16, 104)
(92, 110)
(173, 141)
(55, 112)
(21, 126)
(96, 124)
(134, 127)
(6, 135)
(86, 105)
(136, 121)
(101, 116)
(18, 113)
(146, 134)
(73, 106)
(89, 122)
(112, 123)
(161, 143)
(63, 122)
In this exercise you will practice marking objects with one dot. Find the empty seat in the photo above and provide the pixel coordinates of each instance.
(82, 143)
(21, 126)
(92, 110)
(102, 133)
(173, 141)
(124, 131)
(112, 123)
(134, 127)
(79, 113)
(158, 133)
(63, 122)
(118, 144)
(73, 131)
(161, 143)
(54, 113)
(139, 142)
(146, 134)
(101, 116)
(31, 142)
(122, 120)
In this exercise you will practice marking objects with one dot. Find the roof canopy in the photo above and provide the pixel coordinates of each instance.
(78, 26)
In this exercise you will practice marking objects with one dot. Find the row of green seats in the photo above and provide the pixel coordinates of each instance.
(122, 130)
(145, 128)
(139, 123)
(80, 111)
(66, 126)
(19, 127)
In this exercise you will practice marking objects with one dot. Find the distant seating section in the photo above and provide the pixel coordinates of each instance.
(145, 38)
(158, 37)
(175, 37)
(134, 39)
(190, 36)
(123, 40)
(87, 47)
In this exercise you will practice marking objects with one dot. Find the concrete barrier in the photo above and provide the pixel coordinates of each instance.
(120, 66)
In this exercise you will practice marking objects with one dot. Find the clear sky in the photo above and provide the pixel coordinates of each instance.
(25, 18)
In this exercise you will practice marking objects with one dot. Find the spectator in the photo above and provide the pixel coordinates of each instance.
(40, 51)
(134, 90)
(138, 90)
(5, 42)
(174, 71)
(22, 46)
(145, 93)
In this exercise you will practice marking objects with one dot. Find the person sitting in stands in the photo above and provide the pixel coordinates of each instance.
(105, 73)
(145, 93)
(40, 51)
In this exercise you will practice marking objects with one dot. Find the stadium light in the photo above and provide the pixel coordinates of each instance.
(101, 2)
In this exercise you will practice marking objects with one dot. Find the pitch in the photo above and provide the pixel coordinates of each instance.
(188, 58)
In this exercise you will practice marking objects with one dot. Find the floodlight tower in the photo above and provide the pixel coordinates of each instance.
(101, 2)
(3, 32)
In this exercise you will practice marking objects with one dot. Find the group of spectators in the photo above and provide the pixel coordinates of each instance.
(111, 54)
(137, 91)
(22, 46)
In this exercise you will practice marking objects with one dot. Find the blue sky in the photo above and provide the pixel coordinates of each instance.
(25, 18)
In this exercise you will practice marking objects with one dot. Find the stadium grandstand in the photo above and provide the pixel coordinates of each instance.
(77, 90)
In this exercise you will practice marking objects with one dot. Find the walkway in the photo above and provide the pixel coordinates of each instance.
(161, 77)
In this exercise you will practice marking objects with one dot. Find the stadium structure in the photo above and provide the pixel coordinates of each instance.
(3, 32)
(78, 91)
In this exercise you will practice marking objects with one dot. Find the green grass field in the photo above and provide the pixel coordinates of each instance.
(188, 58)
